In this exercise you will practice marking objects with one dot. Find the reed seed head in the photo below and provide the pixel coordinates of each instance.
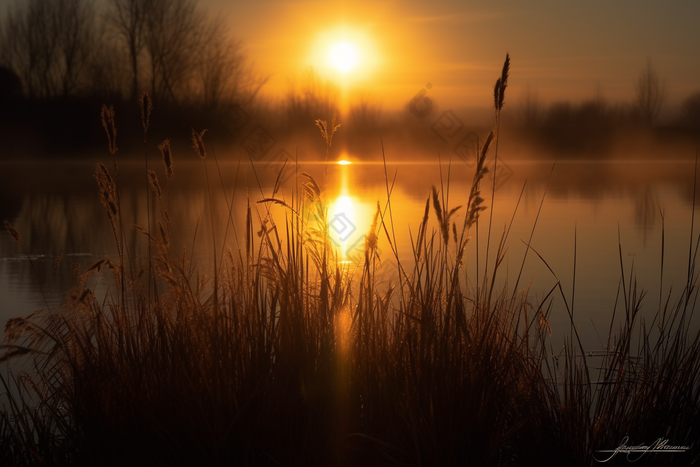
(13, 232)
(163, 234)
(371, 238)
(95, 266)
(108, 124)
(327, 132)
(15, 328)
(499, 89)
(310, 188)
(436, 205)
(107, 188)
(167, 154)
(198, 143)
(153, 181)
(146, 108)
(105, 173)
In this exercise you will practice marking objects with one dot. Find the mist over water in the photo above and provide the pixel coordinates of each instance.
(587, 203)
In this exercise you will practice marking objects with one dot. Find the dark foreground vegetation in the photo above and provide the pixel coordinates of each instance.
(280, 355)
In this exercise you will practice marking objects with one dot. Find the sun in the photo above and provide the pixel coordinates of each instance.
(347, 56)
(343, 56)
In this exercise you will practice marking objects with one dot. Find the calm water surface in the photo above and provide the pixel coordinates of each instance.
(586, 207)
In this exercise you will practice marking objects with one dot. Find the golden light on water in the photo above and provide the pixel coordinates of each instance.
(344, 203)
(343, 224)
(344, 206)
(343, 327)
(350, 214)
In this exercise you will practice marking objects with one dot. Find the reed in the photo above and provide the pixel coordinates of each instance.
(289, 359)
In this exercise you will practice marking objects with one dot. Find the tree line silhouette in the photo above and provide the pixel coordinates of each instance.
(173, 49)
(61, 59)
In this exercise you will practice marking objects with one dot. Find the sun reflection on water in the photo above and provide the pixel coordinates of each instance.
(349, 215)
(343, 223)
(343, 327)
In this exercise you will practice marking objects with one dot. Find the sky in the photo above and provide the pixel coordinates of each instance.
(560, 50)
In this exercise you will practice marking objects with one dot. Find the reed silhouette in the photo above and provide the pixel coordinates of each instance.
(281, 355)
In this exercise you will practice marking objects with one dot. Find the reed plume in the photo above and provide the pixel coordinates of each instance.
(499, 89)
(108, 123)
(328, 131)
(475, 201)
(163, 234)
(167, 154)
(371, 239)
(422, 228)
(146, 105)
(198, 143)
(443, 216)
(155, 186)
(107, 189)
(12, 231)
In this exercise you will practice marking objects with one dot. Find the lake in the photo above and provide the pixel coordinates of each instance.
(588, 205)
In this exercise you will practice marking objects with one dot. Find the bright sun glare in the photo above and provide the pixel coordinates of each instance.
(343, 56)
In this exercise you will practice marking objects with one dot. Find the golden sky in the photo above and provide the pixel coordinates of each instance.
(559, 49)
(562, 50)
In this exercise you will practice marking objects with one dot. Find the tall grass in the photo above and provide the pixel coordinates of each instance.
(286, 358)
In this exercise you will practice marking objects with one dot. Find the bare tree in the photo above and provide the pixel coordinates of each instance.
(49, 44)
(128, 17)
(365, 113)
(106, 75)
(162, 36)
(75, 35)
(179, 51)
(59, 48)
(650, 93)
(221, 67)
(316, 99)
(172, 41)
(25, 47)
